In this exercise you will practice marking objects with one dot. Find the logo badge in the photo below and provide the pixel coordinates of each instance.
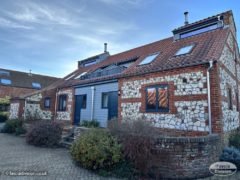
(223, 168)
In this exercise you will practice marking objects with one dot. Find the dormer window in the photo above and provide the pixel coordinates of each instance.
(199, 31)
(90, 63)
(149, 59)
(184, 50)
(199, 27)
(36, 85)
(6, 73)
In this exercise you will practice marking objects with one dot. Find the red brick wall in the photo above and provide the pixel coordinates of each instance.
(216, 106)
(14, 91)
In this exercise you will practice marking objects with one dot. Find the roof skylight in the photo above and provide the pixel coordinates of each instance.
(149, 59)
(184, 50)
(6, 81)
(36, 85)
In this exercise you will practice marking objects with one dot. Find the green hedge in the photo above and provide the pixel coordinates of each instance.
(90, 124)
(14, 126)
(3, 116)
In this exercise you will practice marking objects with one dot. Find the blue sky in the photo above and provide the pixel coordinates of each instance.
(49, 37)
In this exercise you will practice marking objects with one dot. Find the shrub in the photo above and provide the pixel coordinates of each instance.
(20, 130)
(12, 125)
(5, 100)
(234, 139)
(123, 169)
(3, 116)
(4, 103)
(90, 124)
(137, 139)
(96, 149)
(45, 133)
(231, 154)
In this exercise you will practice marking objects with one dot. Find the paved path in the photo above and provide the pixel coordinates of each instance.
(1, 126)
(16, 155)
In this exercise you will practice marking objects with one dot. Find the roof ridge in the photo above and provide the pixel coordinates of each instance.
(142, 46)
(201, 20)
(28, 73)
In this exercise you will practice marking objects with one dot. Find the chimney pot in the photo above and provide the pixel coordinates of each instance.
(105, 47)
(30, 72)
(186, 18)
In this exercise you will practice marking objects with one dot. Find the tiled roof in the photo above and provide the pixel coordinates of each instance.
(207, 46)
(25, 80)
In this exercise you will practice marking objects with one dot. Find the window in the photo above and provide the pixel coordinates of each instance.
(62, 102)
(149, 59)
(84, 101)
(104, 100)
(157, 99)
(199, 31)
(36, 85)
(184, 80)
(237, 99)
(184, 50)
(6, 73)
(230, 98)
(90, 63)
(6, 81)
(47, 102)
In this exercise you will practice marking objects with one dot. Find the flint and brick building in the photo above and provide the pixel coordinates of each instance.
(15, 83)
(187, 84)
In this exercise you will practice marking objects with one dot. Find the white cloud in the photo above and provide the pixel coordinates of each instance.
(10, 24)
(64, 32)
(30, 12)
(126, 3)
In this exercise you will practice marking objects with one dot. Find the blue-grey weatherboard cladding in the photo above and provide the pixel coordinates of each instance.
(99, 114)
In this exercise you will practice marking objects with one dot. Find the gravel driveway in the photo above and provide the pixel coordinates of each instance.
(16, 155)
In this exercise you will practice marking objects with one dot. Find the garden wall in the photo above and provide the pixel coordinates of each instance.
(185, 157)
(181, 157)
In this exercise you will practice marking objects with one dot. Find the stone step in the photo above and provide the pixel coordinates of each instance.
(68, 138)
(68, 130)
(66, 144)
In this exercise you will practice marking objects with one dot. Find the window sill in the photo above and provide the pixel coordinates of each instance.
(158, 112)
(61, 110)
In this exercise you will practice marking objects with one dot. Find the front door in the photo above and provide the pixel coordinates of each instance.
(112, 105)
(78, 107)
